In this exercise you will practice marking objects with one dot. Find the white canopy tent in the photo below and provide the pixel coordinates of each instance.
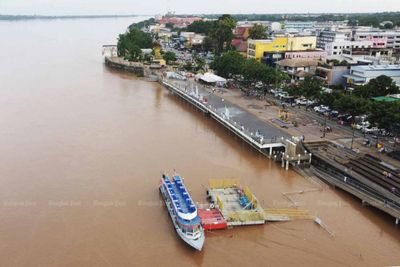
(211, 78)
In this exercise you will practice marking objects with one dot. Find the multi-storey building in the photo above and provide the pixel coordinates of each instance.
(327, 37)
(330, 74)
(258, 49)
(360, 75)
(310, 54)
(298, 68)
(380, 38)
(337, 47)
(299, 25)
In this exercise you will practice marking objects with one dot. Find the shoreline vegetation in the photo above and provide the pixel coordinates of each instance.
(42, 17)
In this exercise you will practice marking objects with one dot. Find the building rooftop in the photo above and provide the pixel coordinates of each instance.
(298, 62)
(377, 67)
(386, 99)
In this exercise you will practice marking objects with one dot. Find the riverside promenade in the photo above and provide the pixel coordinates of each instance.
(266, 138)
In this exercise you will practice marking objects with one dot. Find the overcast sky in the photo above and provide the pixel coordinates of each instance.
(92, 7)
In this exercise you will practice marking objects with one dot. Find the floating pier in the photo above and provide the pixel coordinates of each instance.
(236, 203)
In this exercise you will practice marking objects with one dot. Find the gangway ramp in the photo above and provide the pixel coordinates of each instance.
(281, 215)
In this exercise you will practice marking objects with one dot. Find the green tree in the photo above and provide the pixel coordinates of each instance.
(208, 44)
(276, 77)
(130, 44)
(380, 86)
(201, 27)
(329, 99)
(258, 31)
(254, 71)
(169, 56)
(142, 24)
(351, 104)
(200, 62)
(385, 115)
(388, 26)
(169, 25)
(229, 64)
(188, 66)
(222, 33)
(310, 87)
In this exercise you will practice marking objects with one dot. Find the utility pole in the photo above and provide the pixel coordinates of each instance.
(352, 138)
(324, 130)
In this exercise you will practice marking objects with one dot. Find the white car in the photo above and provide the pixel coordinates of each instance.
(277, 93)
(321, 109)
(301, 101)
(362, 125)
(370, 130)
(283, 94)
(310, 102)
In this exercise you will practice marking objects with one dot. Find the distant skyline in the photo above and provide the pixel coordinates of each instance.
(153, 7)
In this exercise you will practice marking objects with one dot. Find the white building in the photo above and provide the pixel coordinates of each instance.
(337, 47)
(360, 75)
(381, 38)
(299, 25)
(326, 37)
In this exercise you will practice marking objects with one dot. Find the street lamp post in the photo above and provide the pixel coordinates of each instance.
(352, 138)
(324, 130)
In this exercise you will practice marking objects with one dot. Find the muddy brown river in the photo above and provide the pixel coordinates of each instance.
(82, 150)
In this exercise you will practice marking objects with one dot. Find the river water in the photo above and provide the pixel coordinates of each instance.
(83, 148)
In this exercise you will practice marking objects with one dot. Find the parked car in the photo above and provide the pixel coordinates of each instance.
(321, 109)
(277, 92)
(283, 94)
(272, 91)
(301, 101)
(362, 125)
(334, 114)
(370, 130)
(311, 102)
(345, 119)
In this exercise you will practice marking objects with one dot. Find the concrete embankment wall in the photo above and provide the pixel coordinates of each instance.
(125, 66)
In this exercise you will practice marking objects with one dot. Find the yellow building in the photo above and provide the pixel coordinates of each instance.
(301, 43)
(257, 49)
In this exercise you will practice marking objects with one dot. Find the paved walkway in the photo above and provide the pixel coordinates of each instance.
(238, 116)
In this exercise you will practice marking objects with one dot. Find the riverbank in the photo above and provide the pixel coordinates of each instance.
(124, 65)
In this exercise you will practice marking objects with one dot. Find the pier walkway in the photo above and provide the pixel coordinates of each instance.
(261, 135)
